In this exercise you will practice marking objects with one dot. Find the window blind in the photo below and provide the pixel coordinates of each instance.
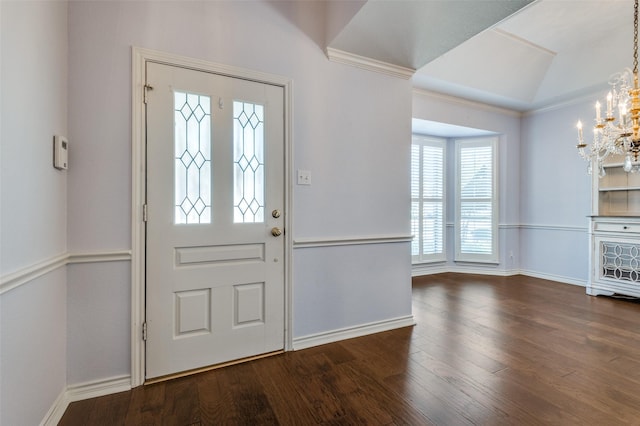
(427, 198)
(476, 198)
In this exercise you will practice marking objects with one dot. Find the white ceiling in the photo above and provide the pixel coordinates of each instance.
(516, 54)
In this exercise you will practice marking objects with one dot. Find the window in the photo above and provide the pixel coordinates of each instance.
(427, 199)
(248, 160)
(192, 145)
(476, 201)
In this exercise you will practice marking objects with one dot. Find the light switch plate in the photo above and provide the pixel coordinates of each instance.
(304, 177)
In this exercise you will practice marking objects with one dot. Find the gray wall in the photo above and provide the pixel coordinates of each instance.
(353, 139)
(555, 194)
(33, 223)
(351, 128)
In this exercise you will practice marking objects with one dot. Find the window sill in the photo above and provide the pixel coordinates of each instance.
(486, 262)
(429, 262)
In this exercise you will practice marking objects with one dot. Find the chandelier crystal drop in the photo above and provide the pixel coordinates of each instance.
(619, 136)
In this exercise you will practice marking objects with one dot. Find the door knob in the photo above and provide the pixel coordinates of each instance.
(276, 232)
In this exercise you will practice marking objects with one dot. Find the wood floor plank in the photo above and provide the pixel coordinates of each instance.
(285, 390)
(246, 395)
(381, 401)
(417, 391)
(485, 351)
(480, 383)
(216, 401)
(110, 409)
(78, 413)
(181, 404)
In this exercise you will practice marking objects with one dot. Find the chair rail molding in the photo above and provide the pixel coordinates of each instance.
(300, 243)
(25, 275)
(554, 227)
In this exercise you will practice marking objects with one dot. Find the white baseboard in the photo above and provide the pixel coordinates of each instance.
(98, 388)
(351, 332)
(553, 277)
(420, 270)
(83, 391)
(55, 413)
(479, 270)
(426, 269)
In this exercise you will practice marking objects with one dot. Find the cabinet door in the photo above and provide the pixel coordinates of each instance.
(616, 264)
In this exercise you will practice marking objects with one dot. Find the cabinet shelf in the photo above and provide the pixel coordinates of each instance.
(617, 192)
(620, 188)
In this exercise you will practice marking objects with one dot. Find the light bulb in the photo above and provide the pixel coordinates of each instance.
(622, 108)
(627, 164)
(579, 126)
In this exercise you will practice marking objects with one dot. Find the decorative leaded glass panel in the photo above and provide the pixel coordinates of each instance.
(620, 261)
(248, 158)
(192, 125)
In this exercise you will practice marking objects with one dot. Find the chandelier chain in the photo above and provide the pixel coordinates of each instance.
(635, 38)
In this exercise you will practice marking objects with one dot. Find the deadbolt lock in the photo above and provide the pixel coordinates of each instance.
(275, 213)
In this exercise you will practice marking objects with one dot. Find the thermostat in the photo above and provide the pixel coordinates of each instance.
(60, 152)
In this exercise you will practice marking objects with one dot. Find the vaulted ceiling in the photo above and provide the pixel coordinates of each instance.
(516, 54)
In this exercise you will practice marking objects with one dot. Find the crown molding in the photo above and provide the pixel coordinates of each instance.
(342, 57)
(581, 99)
(466, 102)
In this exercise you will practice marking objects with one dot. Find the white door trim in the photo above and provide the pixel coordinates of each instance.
(138, 191)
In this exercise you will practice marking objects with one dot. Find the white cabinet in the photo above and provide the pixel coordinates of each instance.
(615, 232)
(615, 256)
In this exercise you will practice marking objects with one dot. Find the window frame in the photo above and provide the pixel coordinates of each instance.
(460, 256)
(421, 257)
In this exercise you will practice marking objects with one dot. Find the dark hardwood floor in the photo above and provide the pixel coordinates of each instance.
(485, 350)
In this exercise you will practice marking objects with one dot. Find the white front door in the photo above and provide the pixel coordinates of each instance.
(215, 199)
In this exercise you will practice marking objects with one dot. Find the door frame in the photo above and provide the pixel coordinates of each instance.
(139, 58)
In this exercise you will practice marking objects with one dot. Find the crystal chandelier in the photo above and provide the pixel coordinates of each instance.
(620, 137)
